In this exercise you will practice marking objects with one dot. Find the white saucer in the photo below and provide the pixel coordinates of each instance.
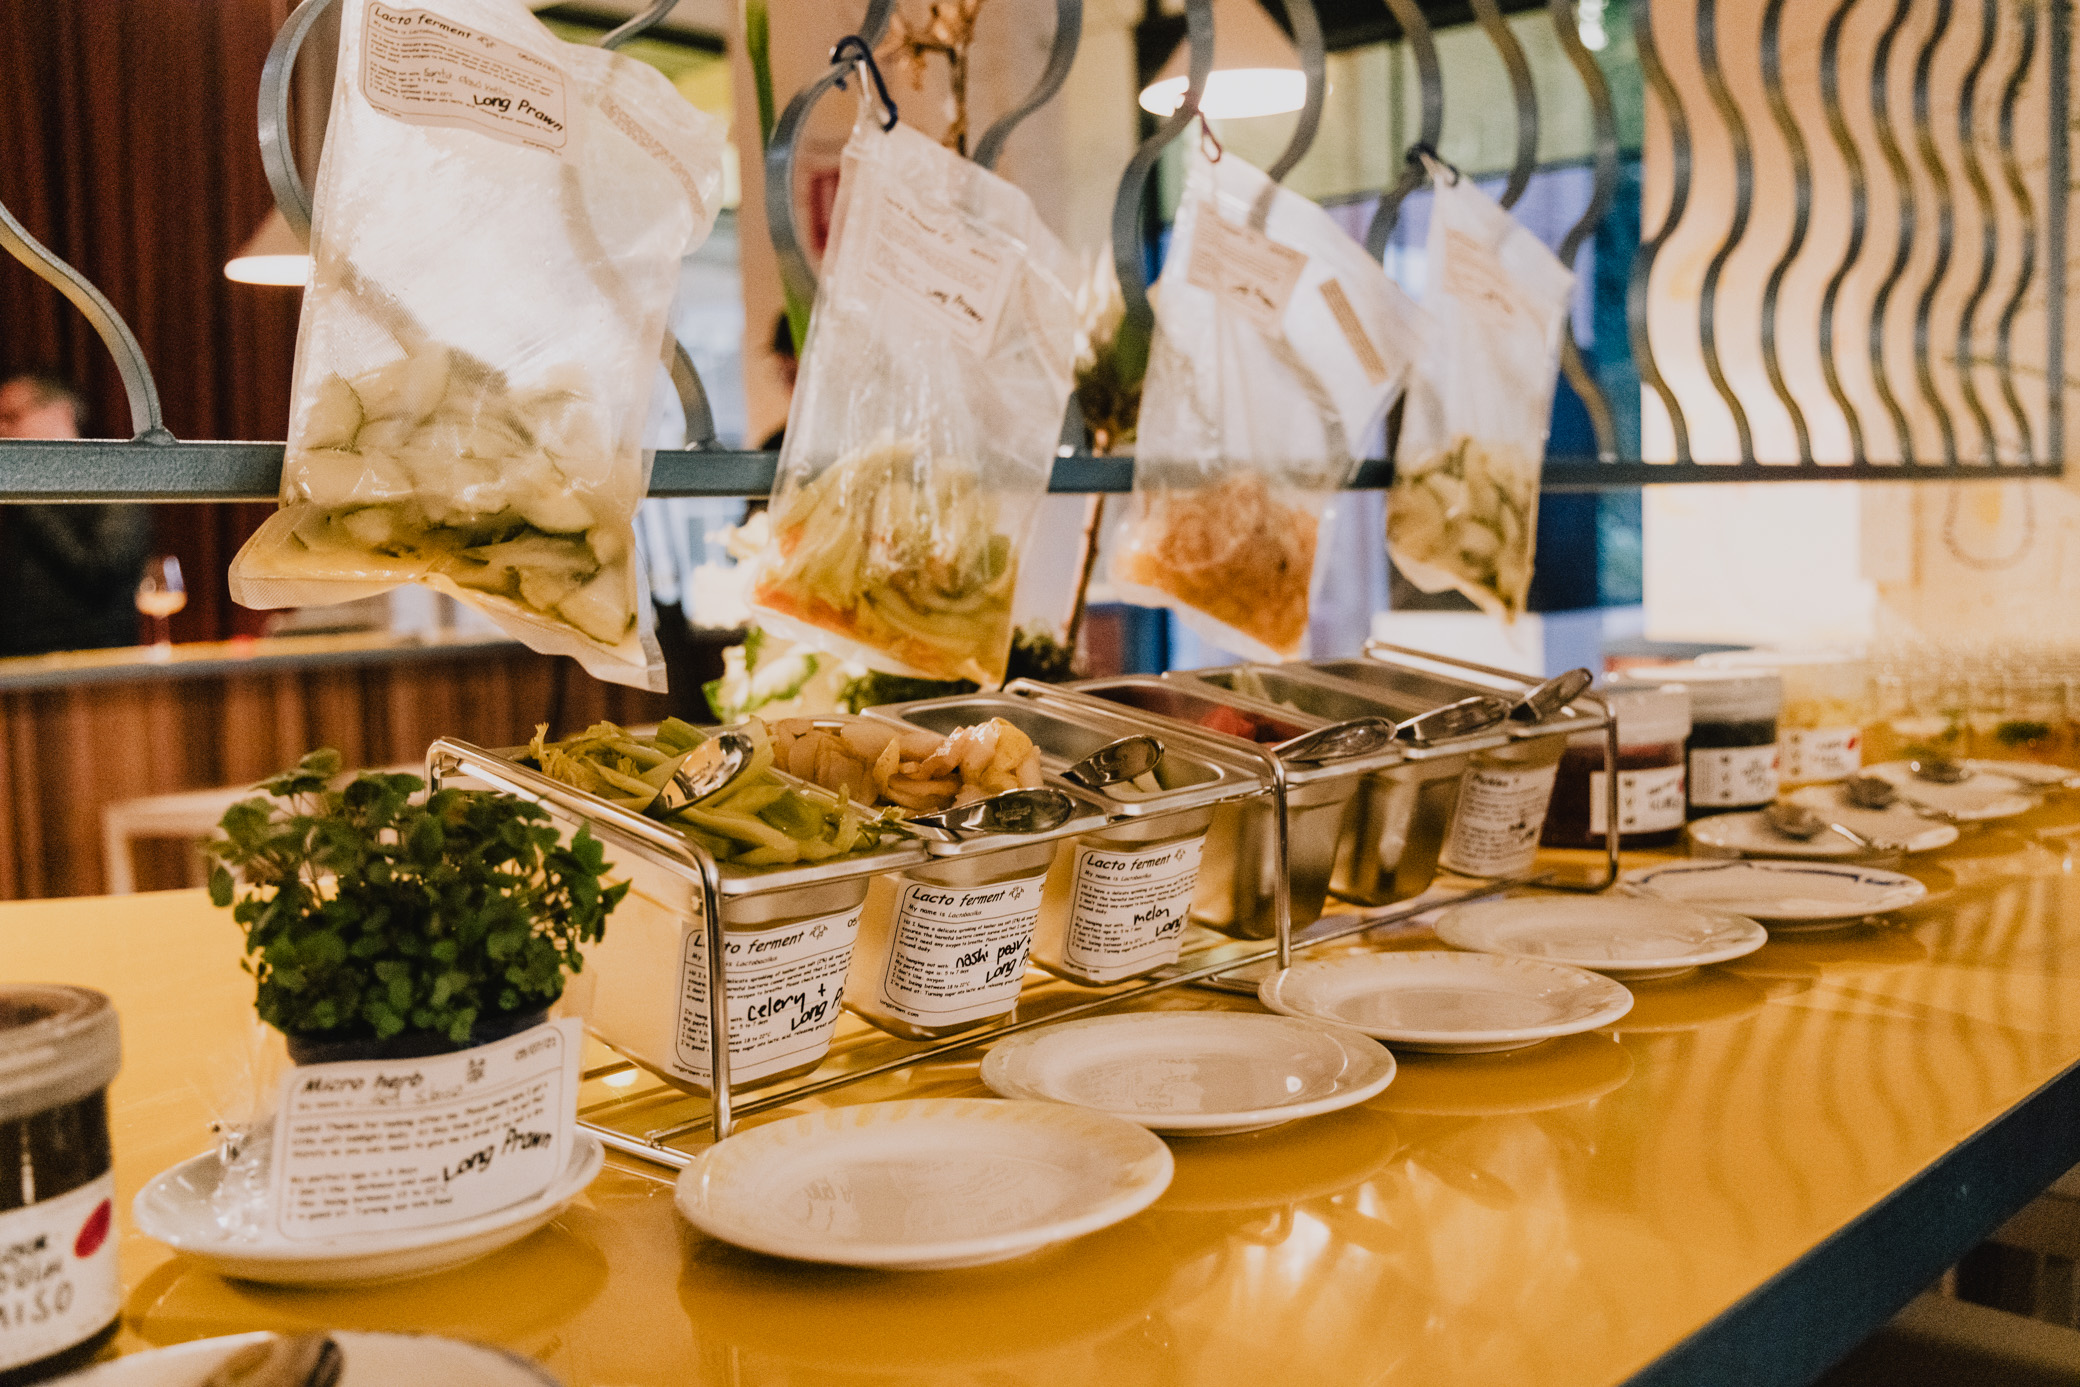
(1750, 835)
(1634, 939)
(175, 1209)
(366, 1360)
(1448, 1003)
(1778, 891)
(2029, 772)
(919, 1184)
(1981, 797)
(1207, 1072)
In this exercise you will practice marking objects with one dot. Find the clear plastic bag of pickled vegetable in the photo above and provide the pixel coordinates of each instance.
(498, 227)
(933, 385)
(1463, 512)
(1279, 345)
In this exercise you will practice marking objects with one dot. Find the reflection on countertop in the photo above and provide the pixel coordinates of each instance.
(127, 663)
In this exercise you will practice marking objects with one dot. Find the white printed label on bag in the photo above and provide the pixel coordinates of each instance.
(782, 989)
(1243, 269)
(58, 1281)
(959, 952)
(423, 69)
(1126, 913)
(1501, 810)
(1821, 753)
(1476, 276)
(1733, 775)
(364, 1146)
(929, 259)
(1648, 801)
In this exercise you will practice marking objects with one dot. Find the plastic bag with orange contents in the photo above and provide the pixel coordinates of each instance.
(1279, 345)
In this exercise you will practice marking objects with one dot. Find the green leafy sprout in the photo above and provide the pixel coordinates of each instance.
(369, 912)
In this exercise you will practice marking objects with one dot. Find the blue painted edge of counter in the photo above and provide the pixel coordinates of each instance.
(114, 470)
(1806, 1318)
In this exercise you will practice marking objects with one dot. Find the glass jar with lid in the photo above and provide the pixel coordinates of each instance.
(1827, 701)
(1653, 730)
(1733, 753)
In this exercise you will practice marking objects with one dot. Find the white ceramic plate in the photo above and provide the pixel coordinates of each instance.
(1448, 1003)
(1981, 797)
(2029, 772)
(175, 1209)
(1778, 891)
(367, 1360)
(1206, 1072)
(920, 1184)
(1632, 938)
(1750, 835)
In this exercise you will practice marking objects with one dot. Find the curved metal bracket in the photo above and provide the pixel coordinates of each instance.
(1496, 27)
(1138, 326)
(693, 397)
(795, 271)
(115, 334)
(1068, 31)
(640, 24)
(1314, 65)
(1430, 78)
(276, 154)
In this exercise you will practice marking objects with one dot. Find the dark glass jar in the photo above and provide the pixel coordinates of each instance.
(60, 1294)
(1733, 736)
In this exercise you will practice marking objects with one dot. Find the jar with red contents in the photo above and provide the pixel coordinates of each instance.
(1653, 725)
(60, 1296)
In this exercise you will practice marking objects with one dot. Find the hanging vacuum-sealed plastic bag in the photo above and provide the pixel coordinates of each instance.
(1463, 512)
(1279, 345)
(933, 386)
(496, 241)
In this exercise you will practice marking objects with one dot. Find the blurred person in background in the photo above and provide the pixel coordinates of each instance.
(68, 574)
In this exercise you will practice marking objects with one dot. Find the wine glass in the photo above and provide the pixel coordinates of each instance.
(161, 593)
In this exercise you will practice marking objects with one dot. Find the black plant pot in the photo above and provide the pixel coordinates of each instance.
(411, 1045)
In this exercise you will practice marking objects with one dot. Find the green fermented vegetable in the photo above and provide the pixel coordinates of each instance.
(432, 466)
(757, 818)
(902, 557)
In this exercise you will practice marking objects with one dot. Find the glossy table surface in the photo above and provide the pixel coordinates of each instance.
(1571, 1213)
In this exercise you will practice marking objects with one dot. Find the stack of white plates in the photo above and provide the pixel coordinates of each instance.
(1630, 938)
(920, 1184)
(1785, 894)
(1448, 1003)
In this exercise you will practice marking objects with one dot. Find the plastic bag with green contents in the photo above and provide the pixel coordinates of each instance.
(1463, 512)
(498, 227)
(934, 381)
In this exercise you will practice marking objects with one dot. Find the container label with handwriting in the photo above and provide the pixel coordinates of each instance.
(364, 1146)
(959, 952)
(783, 988)
(425, 69)
(1731, 776)
(1127, 913)
(1495, 828)
(929, 259)
(58, 1281)
(1820, 753)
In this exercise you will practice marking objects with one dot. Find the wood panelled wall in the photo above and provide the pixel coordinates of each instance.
(65, 753)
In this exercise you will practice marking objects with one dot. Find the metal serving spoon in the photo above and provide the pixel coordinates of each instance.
(1876, 792)
(1941, 770)
(702, 774)
(282, 1360)
(1552, 696)
(1129, 758)
(1798, 821)
(1015, 811)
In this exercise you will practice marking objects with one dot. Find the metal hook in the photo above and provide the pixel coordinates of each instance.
(1138, 327)
(853, 43)
(1068, 30)
(1207, 137)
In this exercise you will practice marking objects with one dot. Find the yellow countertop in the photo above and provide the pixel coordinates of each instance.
(1559, 1215)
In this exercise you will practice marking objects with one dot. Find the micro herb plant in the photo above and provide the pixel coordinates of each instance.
(369, 914)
